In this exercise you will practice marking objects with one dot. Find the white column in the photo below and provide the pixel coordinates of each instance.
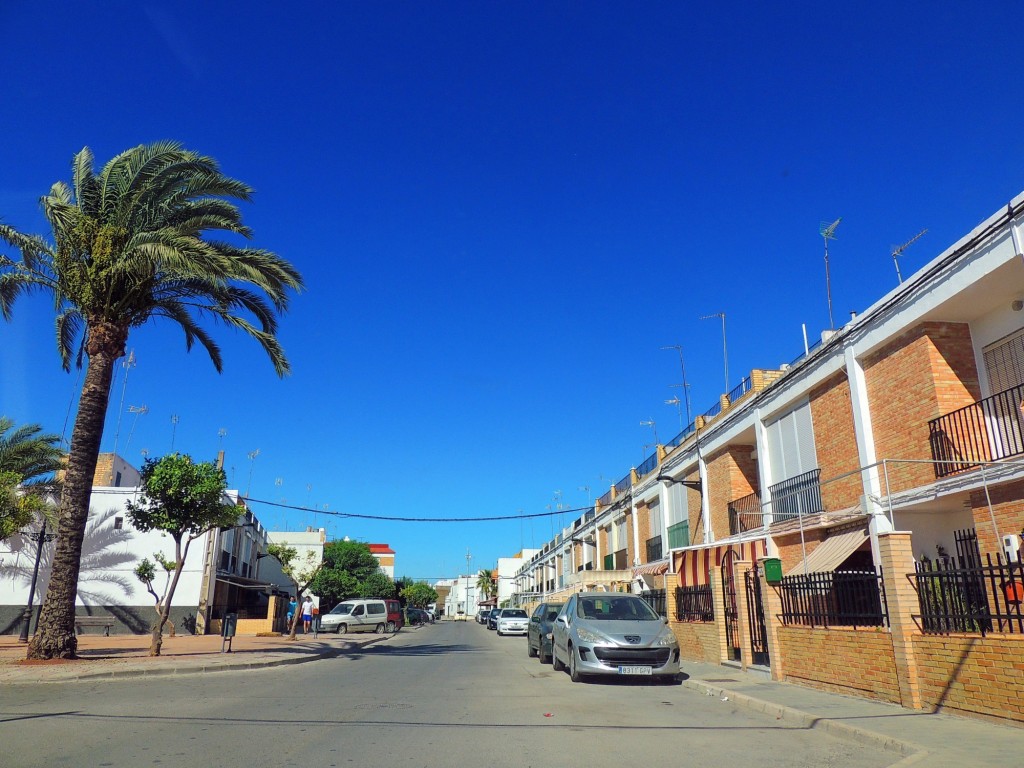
(636, 529)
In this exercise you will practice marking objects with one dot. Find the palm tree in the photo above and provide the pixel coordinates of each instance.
(485, 583)
(29, 461)
(130, 245)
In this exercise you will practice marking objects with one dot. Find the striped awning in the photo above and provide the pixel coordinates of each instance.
(657, 568)
(831, 553)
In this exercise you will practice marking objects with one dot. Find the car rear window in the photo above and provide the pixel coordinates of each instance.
(617, 608)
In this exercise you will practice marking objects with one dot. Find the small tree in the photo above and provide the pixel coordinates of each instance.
(419, 594)
(29, 461)
(485, 583)
(378, 585)
(145, 572)
(347, 565)
(301, 571)
(184, 500)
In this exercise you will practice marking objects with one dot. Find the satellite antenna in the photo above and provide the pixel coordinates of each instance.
(896, 251)
(828, 231)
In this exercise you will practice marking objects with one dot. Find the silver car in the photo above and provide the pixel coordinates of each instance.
(613, 633)
(512, 621)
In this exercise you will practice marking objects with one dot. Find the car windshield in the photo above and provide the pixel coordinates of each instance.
(513, 613)
(344, 609)
(618, 608)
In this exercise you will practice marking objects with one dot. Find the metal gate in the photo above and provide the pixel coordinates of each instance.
(732, 614)
(755, 619)
(972, 585)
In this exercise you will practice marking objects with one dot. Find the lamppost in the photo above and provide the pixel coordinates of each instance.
(469, 559)
(39, 537)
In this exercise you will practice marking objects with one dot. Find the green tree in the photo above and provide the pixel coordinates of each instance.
(183, 499)
(145, 572)
(301, 571)
(129, 245)
(419, 594)
(378, 585)
(29, 461)
(347, 565)
(485, 583)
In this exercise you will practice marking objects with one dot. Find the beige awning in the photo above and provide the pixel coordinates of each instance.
(831, 553)
(651, 569)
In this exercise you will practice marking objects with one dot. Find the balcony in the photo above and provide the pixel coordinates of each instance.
(606, 578)
(988, 430)
(745, 514)
(653, 549)
(679, 535)
(798, 496)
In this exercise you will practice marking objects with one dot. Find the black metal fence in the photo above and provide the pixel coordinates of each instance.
(656, 599)
(745, 514)
(694, 603)
(834, 599)
(964, 597)
(797, 497)
(988, 430)
(649, 465)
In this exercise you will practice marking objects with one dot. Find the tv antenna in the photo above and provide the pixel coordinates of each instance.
(725, 347)
(828, 231)
(898, 250)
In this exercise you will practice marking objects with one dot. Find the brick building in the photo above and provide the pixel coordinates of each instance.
(884, 469)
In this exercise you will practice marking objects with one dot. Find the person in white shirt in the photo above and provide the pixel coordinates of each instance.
(307, 613)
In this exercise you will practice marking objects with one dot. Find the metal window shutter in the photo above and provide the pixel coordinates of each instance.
(1004, 363)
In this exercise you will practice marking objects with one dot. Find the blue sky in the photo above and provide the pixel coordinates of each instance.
(502, 211)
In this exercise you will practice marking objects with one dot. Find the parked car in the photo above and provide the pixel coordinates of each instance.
(395, 621)
(612, 633)
(512, 621)
(538, 634)
(356, 616)
(417, 616)
(492, 618)
(482, 614)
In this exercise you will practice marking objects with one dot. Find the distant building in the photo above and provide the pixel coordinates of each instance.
(386, 557)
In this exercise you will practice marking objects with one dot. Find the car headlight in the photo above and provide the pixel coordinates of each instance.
(588, 636)
(666, 638)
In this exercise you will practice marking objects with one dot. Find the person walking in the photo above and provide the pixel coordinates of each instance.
(293, 606)
(307, 613)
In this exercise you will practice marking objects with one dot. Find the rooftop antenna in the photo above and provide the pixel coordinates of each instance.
(128, 363)
(828, 231)
(138, 410)
(896, 251)
(725, 348)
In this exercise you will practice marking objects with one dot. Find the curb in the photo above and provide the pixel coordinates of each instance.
(127, 674)
(912, 752)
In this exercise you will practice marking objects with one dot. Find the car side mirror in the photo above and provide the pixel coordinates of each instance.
(561, 620)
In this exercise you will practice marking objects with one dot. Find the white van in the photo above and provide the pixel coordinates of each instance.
(355, 616)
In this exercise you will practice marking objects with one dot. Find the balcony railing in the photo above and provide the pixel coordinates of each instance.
(654, 549)
(681, 437)
(648, 466)
(679, 535)
(988, 430)
(797, 497)
(740, 390)
(624, 484)
(745, 514)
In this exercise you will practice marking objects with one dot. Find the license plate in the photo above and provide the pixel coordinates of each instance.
(634, 670)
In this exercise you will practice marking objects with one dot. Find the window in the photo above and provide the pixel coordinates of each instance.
(117, 480)
(791, 444)
(1004, 363)
(359, 610)
(118, 523)
(619, 535)
(655, 517)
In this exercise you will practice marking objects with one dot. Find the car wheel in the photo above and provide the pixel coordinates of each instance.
(574, 672)
(342, 629)
(530, 650)
(390, 628)
(379, 629)
(556, 663)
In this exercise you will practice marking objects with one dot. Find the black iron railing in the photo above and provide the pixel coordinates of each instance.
(834, 599)
(653, 549)
(694, 603)
(745, 514)
(624, 484)
(797, 497)
(681, 437)
(606, 499)
(649, 465)
(961, 597)
(740, 390)
(656, 599)
(713, 411)
(988, 430)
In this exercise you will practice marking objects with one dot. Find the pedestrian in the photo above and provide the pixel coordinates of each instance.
(307, 613)
(292, 607)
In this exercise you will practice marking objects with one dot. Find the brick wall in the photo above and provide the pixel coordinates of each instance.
(841, 660)
(791, 551)
(922, 374)
(974, 675)
(698, 641)
(1008, 509)
(835, 442)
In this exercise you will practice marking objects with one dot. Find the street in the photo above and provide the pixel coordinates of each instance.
(446, 694)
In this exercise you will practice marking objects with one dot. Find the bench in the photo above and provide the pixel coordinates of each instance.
(95, 621)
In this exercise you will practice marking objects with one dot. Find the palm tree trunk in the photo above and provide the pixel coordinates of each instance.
(55, 632)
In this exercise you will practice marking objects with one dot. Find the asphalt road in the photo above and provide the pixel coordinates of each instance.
(450, 694)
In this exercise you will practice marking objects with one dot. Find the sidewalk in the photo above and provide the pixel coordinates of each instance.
(123, 656)
(932, 739)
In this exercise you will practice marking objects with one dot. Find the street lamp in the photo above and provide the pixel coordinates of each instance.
(469, 558)
(39, 537)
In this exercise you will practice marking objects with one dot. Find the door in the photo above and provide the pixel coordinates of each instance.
(358, 619)
(732, 614)
(755, 619)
